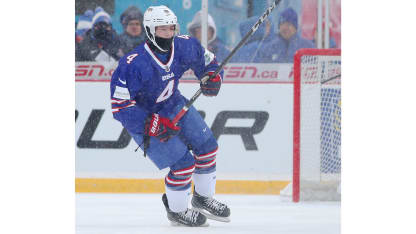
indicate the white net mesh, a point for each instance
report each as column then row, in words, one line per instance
column 330, row 130
column 320, row 127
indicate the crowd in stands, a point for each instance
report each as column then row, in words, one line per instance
column 96, row 40
column 101, row 42
column 283, row 46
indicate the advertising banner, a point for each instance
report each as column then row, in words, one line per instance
column 251, row 120
column 233, row 72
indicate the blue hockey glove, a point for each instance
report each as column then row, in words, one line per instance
column 161, row 127
column 212, row 86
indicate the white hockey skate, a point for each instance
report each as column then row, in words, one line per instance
column 211, row 208
column 189, row 217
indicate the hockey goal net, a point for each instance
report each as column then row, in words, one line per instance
column 317, row 125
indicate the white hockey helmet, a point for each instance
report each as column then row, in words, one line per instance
column 157, row 16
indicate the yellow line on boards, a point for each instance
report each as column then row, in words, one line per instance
column 100, row 185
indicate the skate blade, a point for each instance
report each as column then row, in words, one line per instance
column 176, row 224
column 213, row 217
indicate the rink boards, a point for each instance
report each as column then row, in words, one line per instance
column 251, row 118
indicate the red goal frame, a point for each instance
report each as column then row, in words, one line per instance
column 296, row 112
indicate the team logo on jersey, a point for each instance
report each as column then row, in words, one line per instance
column 123, row 82
column 168, row 76
column 183, row 36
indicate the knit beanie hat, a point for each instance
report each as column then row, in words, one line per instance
column 84, row 22
column 101, row 16
column 131, row 13
column 289, row 15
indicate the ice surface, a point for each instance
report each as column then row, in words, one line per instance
column 250, row 214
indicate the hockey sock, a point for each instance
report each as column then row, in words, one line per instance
column 205, row 184
column 178, row 200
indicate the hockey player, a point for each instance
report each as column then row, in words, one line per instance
column 145, row 98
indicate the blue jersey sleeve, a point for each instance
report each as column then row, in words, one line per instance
column 201, row 60
column 125, row 85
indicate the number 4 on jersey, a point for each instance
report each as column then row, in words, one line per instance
column 167, row 92
column 131, row 57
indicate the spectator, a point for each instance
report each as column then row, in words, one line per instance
column 133, row 35
column 332, row 43
column 83, row 25
column 254, row 50
column 288, row 41
column 101, row 43
column 215, row 45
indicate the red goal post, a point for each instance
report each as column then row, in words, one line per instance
column 317, row 125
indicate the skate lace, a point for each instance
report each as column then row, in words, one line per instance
column 214, row 204
column 189, row 215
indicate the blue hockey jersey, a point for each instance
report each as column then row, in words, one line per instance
column 142, row 84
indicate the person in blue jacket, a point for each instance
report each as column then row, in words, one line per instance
column 288, row 41
column 145, row 98
column 254, row 49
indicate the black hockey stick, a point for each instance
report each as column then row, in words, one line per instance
column 332, row 78
column 240, row 44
